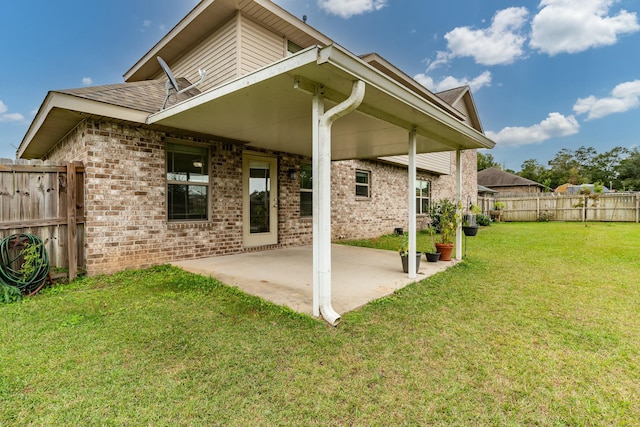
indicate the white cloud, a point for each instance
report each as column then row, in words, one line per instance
column 624, row 97
column 571, row 26
column 500, row 43
column 87, row 81
column 554, row 126
column 348, row 8
column 8, row 117
column 451, row 82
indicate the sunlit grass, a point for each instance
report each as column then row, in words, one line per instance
column 539, row 326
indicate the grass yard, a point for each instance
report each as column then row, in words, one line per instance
column 539, row 326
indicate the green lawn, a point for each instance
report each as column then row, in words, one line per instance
column 539, row 326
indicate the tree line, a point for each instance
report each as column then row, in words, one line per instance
column 617, row 169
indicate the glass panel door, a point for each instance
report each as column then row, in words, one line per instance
column 260, row 201
column 259, row 190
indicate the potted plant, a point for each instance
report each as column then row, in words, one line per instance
column 469, row 226
column 403, row 250
column 446, row 214
column 432, row 254
column 496, row 211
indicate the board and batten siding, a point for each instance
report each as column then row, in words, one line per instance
column 439, row 163
column 259, row 47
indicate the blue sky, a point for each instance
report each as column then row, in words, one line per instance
column 545, row 75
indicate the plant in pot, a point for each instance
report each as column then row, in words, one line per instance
column 403, row 250
column 496, row 211
column 446, row 214
column 469, row 226
column 432, row 254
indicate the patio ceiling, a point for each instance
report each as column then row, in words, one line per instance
column 271, row 109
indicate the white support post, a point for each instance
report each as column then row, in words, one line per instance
column 458, row 200
column 317, row 112
column 412, row 204
column 323, row 120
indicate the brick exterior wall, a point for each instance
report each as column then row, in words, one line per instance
column 125, row 198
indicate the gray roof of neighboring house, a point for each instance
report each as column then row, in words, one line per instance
column 144, row 96
column 483, row 189
column 494, row 177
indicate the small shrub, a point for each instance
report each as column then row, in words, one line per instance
column 483, row 220
column 545, row 216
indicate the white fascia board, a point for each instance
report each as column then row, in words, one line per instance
column 353, row 65
column 65, row 101
column 285, row 65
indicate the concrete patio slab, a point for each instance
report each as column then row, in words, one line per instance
column 284, row 276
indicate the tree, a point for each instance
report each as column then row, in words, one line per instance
column 604, row 167
column 486, row 161
column 534, row 171
column 629, row 171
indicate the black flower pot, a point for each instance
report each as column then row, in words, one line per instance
column 405, row 262
column 470, row 230
column 433, row 256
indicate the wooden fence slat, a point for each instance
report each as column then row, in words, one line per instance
column 72, row 226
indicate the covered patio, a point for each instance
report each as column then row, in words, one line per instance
column 285, row 276
column 327, row 104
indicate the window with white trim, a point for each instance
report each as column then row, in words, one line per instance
column 423, row 196
column 363, row 183
column 187, row 182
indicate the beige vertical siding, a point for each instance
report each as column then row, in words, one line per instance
column 259, row 46
column 217, row 54
column 462, row 107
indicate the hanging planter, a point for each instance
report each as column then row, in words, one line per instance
column 470, row 230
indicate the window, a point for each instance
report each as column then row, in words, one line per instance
column 306, row 190
column 423, row 196
column 187, row 182
column 363, row 179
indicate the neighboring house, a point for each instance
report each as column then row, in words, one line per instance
column 226, row 167
column 575, row 189
column 505, row 182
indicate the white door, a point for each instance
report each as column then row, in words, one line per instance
column 260, row 199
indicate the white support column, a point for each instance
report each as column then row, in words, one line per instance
column 412, row 204
column 458, row 200
column 321, row 165
column 317, row 112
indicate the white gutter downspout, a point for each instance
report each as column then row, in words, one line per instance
column 458, row 200
column 321, row 158
column 412, row 204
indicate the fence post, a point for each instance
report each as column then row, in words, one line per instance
column 72, row 226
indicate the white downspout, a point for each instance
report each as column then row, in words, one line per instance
column 412, row 204
column 458, row 200
column 322, row 196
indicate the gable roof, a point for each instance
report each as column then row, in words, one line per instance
column 459, row 95
column 394, row 102
column 494, row 177
column 207, row 16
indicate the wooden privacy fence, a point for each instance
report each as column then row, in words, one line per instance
column 622, row 207
column 46, row 201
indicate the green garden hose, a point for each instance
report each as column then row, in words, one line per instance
column 24, row 265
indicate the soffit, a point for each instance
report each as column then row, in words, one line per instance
column 265, row 110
